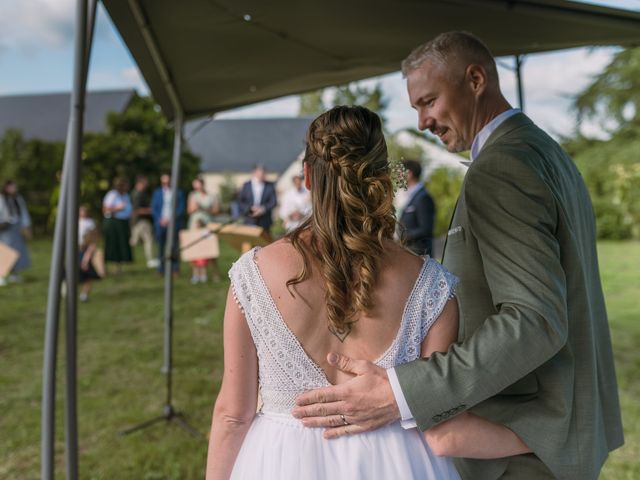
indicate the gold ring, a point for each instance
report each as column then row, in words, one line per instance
column 344, row 420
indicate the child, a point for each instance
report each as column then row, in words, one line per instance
column 87, row 238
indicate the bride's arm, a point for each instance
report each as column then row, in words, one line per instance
column 470, row 436
column 465, row 435
column 236, row 403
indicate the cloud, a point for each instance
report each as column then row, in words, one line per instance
column 281, row 107
column 107, row 78
column 34, row 25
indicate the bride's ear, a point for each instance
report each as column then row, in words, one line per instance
column 307, row 175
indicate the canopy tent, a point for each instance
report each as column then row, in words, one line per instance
column 204, row 56
column 220, row 54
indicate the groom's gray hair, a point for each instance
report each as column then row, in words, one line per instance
column 450, row 48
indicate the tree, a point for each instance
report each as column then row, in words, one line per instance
column 311, row 104
column 613, row 98
column 137, row 142
column 355, row 93
column 611, row 168
column 34, row 165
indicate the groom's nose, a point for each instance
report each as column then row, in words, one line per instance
column 426, row 122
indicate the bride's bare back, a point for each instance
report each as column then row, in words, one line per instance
column 305, row 313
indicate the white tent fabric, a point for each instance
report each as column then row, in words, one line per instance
column 220, row 54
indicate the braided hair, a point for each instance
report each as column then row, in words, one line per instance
column 353, row 213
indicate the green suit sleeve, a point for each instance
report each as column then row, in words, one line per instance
column 512, row 215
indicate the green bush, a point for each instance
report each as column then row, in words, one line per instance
column 137, row 141
column 444, row 184
column 34, row 165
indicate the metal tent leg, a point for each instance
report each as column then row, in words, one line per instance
column 65, row 240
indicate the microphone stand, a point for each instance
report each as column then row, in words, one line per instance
column 169, row 413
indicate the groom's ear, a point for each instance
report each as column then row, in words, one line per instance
column 476, row 77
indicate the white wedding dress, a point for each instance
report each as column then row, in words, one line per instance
column 277, row 446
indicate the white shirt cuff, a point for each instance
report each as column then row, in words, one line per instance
column 406, row 418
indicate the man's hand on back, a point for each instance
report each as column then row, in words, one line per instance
column 364, row 403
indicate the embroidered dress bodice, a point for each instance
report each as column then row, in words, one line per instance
column 284, row 368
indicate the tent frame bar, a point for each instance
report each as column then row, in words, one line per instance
column 170, row 255
column 154, row 51
column 66, row 240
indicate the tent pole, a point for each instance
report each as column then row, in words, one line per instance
column 169, row 259
column 51, row 330
column 83, row 50
column 519, row 59
column 171, row 251
column 85, row 25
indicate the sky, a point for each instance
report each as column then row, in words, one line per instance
column 36, row 56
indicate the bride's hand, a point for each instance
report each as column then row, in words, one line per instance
column 365, row 402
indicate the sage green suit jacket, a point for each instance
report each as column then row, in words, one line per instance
column 534, row 349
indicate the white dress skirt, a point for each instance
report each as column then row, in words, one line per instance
column 277, row 446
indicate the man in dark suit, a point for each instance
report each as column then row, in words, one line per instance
column 258, row 199
column 161, row 212
column 417, row 212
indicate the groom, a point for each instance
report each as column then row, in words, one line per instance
column 534, row 349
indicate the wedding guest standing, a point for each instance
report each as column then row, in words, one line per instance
column 416, row 212
column 142, row 221
column 258, row 199
column 296, row 204
column 15, row 228
column 117, row 210
column 202, row 206
column 161, row 211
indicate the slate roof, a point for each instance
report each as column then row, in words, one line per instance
column 234, row 145
column 230, row 145
column 45, row 116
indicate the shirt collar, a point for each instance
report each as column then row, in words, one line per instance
column 411, row 191
column 484, row 134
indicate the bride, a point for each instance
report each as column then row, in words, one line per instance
column 338, row 283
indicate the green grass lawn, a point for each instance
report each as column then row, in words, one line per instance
column 120, row 381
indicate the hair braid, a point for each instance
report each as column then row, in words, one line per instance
column 352, row 196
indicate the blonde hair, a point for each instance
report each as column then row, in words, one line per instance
column 353, row 214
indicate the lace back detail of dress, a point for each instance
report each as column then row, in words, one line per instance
column 284, row 368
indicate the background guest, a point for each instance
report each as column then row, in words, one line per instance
column 87, row 243
column 117, row 210
column 201, row 205
column 161, row 212
column 296, row 204
column 258, row 199
column 141, row 220
column 416, row 212
column 15, row 228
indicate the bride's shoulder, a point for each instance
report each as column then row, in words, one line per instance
column 280, row 255
column 400, row 255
